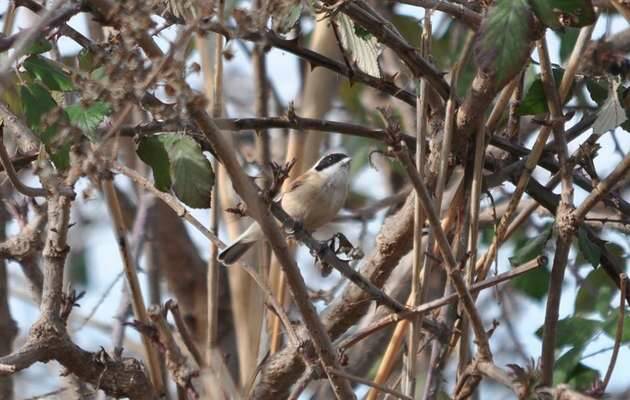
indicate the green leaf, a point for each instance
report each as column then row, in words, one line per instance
column 562, row 13
column 610, row 115
column 589, row 250
column 39, row 46
column 567, row 42
column 179, row 164
column 533, row 284
column 409, row 27
column 78, row 270
column 610, row 326
column 49, row 73
column 582, row 377
column 151, row 150
column 597, row 91
column 362, row 48
column 566, row 364
column 595, row 293
column 532, row 248
column 192, row 173
column 535, row 101
column 37, row 102
column 88, row 119
column 503, row 41
column 574, row 331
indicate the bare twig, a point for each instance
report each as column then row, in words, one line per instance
column 433, row 304
column 602, row 188
column 618, row 332
column 176, row 362
column 457, row 11
column 173, row 307
column 368, row 382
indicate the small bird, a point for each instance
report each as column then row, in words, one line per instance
column 313, row 199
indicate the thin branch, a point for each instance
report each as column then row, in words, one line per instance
column 173, row 307
column 12, row 175
column 618, row 332
column 268, row 37
column 327, row 255
column 498, row 375
column 368, row 382
column 56, row 14
column 176, row 363
column 27, row 141
column 361, row 13
column 602, row 188
column 437, row 303
column 458, row 11
column 564, row 226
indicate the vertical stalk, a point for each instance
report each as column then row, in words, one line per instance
column 212, row 278
column 409, row 372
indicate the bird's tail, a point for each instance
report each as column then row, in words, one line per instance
column 233, row 252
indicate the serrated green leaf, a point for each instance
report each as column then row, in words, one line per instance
column 151, row 150
column 88, row 119
column 589, row 250
column 532, row 248
column 535, row 101
column 36, row 102
column 610, row 115
column 562, row 13
column 38, row 46
column 192, row 173
column 362, row 48
column 46, row 71
column 574, row 331
column 503, row 39
column 595, row 293
column 178, row 163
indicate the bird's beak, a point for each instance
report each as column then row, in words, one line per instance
column 346, row 161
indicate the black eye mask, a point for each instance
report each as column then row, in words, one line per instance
column 329, row 160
